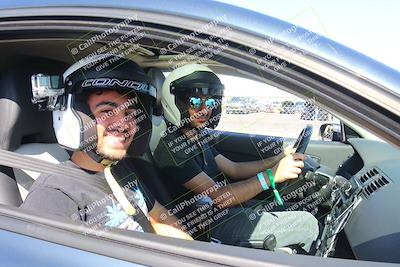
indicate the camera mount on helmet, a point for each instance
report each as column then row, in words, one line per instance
column 45, row 90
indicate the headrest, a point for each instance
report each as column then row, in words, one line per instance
column 21, row 122
column 158, row 79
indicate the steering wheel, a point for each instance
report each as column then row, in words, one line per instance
column 300, row 145
column 304, row 139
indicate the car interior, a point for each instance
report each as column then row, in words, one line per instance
column 371, row 232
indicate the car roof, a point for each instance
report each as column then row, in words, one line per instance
column 244, row 20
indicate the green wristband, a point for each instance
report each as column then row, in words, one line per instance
column 278, row 197
column 273, row 186
column 271, row 178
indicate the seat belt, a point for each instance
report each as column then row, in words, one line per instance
column 18, row 161
column 131, row 209
column 26, row 163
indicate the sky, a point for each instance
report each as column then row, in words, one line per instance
column 368, row 26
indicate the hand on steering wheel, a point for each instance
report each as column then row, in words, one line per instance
column 290, row 166
column 304, row 139
column 295, row 164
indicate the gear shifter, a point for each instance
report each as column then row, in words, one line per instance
column 345, row 198
column 342, row 184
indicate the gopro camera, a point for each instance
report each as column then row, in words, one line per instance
column 46, row 89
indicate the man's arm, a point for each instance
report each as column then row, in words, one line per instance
column 233, row 194
column 51, row 201
column 162, row 222
column 165, row 224
column 244, row 170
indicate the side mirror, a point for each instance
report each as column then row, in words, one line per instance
column 330, row 132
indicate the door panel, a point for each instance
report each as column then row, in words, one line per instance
column 332, row 154
column 246, row 147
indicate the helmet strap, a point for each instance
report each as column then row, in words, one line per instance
column 99, row 159
column 106, row 162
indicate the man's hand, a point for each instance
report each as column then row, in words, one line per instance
column 163, row 226
column 289, row 150
column 167, row 230
column 285, row 152
column 288, row 168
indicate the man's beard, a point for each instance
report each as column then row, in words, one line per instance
column 106, row 151
column 111, row 155
column 198, row 125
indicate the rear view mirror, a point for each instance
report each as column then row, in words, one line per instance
column 330, row 132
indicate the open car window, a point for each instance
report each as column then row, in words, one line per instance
column 271, row 95
column 266, row 110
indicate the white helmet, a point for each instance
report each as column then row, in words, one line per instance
column 192, row 78
column 75, row 126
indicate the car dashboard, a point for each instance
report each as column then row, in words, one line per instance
column 365, row 197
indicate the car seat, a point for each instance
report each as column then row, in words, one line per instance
column 23, row 128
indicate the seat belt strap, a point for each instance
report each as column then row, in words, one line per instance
column 118, row 193
column 135, row 212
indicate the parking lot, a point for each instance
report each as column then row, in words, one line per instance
column 275, row 124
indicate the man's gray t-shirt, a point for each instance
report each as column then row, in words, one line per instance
column 89, row 199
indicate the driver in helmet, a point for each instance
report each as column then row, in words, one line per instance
column 191, row 100
column 104, row 120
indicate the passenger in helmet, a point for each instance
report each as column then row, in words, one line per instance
column 103, row 117
column 191, row 100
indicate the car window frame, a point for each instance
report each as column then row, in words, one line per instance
column 6, row 210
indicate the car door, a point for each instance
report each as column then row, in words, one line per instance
column 36, row 27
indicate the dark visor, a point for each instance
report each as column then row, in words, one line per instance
column 210, row 91
column 199, row 82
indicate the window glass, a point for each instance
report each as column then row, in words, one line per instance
column 257, row 108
